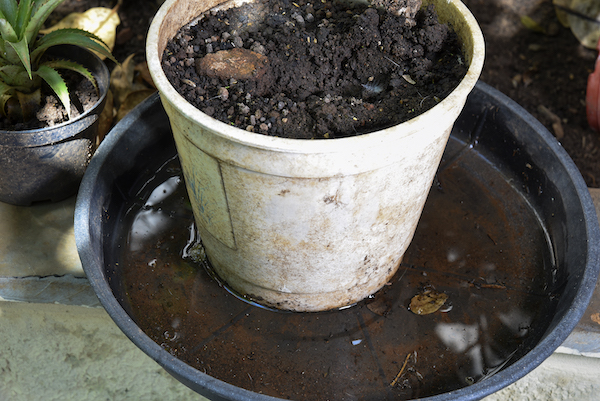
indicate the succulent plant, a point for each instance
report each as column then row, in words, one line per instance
column 23, row 65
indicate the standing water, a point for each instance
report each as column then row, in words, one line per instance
column 471, row 296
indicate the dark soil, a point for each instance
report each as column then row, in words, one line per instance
column 321, row 70
column 51, row 111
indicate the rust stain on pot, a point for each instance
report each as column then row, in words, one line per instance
column 238, row 63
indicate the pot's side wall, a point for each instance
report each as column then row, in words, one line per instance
column 307, row 225
column 308, row 243
column 315, row 244
column 453, row 13
column 49, row 163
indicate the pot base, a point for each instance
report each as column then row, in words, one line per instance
column 287, row 301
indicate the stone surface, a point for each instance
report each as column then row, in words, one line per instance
column 560, row 378
column 38, row 240
column 59, row 352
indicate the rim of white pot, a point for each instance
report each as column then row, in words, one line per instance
column 444, row 110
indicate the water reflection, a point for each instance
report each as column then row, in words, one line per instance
column 163, row 191
column 458, row 337
column 151, row 220
column 517, row 320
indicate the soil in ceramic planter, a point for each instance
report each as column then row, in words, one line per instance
column 314, row 69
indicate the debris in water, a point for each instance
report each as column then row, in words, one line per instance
column 393, row 383
column 380, row 306
column 427, row 302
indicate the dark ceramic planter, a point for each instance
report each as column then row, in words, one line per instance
column 492, row 128
column 49, row 163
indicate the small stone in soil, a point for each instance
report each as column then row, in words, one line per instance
column 236, row 63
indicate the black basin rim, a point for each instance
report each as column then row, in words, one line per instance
column 218, row 390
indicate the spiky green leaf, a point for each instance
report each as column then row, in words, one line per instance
column 17, row 77
column 28, row 103
column 72, row 66
column 10, row 55
column 40, row 12
column 22, row 50
column 23, row 16
column 9, row 72
column 6, row 30
column 57, row 84
column 72, row 36
column 9, row 9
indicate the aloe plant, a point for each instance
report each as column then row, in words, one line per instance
column 23, row 65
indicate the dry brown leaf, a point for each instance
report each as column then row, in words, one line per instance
column 132, row 100
column 100, row 21
column 532, row 25
column 106, row 117
column 585, row 29
column 142, row 68
column 428, row 302
column 560, row 14
column 122, row 80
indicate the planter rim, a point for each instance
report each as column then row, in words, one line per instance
column 336, row 145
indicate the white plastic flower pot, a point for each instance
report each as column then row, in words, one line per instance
column 308, row 225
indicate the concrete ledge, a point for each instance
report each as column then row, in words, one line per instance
column 71, row 353
column 559, row 378
column 38, row 240
column 65, row 290
column 585, row 339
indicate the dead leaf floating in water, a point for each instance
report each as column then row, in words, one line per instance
column 428, row 302
column 380, row 306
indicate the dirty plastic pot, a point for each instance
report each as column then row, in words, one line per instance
column 491, row 125
column 49, row 163
column 305, row 225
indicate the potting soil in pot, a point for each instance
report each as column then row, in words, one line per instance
column 323, row 69
column 51, row 111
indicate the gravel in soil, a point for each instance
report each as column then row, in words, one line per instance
column 314, row 70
